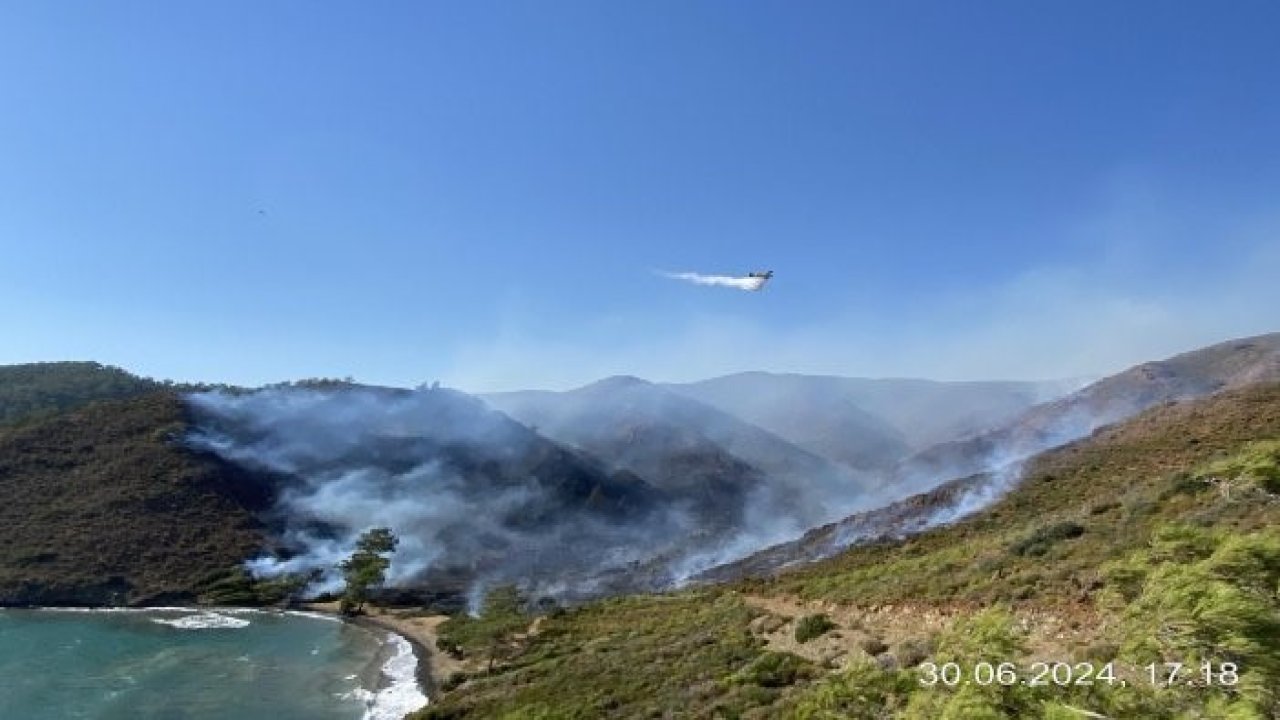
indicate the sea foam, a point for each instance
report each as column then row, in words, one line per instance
column 401, row 695
column 203, row 621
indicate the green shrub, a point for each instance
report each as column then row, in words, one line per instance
column 813, row 626
column 990, row 636
column 488, row 635
column 863, row 692
column 1184, row 483
column 1258, row 462
column 873, row 646
column 1039, row 542
column 1209, row 596
column 775, row 670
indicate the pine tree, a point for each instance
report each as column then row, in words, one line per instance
column 366, row 568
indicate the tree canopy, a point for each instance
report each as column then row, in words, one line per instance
column 366, row 568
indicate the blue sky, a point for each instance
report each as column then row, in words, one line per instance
column 484, row 192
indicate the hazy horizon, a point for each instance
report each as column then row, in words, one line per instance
column 488, row 196
column 1065, row 381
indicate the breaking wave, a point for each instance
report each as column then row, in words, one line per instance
column 400, row 694
column 204, row 621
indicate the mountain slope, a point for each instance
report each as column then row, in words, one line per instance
column 164, row 498
column 685, row 447
column 983, row 468
column 475, row 497
column 102, row 506
column 866, row 423
column 1116, row 485
column 1081, row 554
column 1189, row 375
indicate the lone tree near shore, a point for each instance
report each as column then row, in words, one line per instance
column 366, row 568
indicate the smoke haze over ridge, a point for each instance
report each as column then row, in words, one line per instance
column 656, row 489
column 472, row 495
column 478, row 499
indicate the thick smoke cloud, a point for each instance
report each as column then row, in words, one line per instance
column 475, row 498
column 478, row 499
column 656, row 488
column 462, row 487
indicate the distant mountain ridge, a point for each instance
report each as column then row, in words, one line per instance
column 680, row 445
column 806, row 414
column 862, row 422
column 1155, row 537
column 622, row 477
column 955, row 478
column 1188, row 375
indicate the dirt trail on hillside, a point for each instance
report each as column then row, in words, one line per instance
column 889, row 632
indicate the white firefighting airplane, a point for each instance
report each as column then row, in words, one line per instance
column 756, row 280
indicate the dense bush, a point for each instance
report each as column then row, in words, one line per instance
column 1199, row 595
column 1039, row 542
column 813, row 626
column 1257, row 463
column 775, row 669
column 873, row 646
column 863, row 692
column 665, row 656
column 912, row 652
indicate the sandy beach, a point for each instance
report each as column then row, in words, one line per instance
column 434, row 667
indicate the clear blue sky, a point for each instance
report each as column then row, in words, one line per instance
column 482, row 192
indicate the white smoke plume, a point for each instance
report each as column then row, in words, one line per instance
column 995, row 469
column 474, row 497
column 460, row 486
column 658, row 490
column 953, row 480
column 734, row 281
column 478, row 500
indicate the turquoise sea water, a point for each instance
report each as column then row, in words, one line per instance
column 189, row 665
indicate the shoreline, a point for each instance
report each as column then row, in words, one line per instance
column 430, row 669
column 422, row 671
column 433, row 667
column 420, row 637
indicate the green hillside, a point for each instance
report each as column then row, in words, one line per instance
column 1157, row 540
column 1078, row 507
column 39, row 390
column 102, row 506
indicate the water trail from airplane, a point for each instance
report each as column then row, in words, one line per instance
column 741, row 283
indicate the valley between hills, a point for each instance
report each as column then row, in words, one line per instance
column 753, row 546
